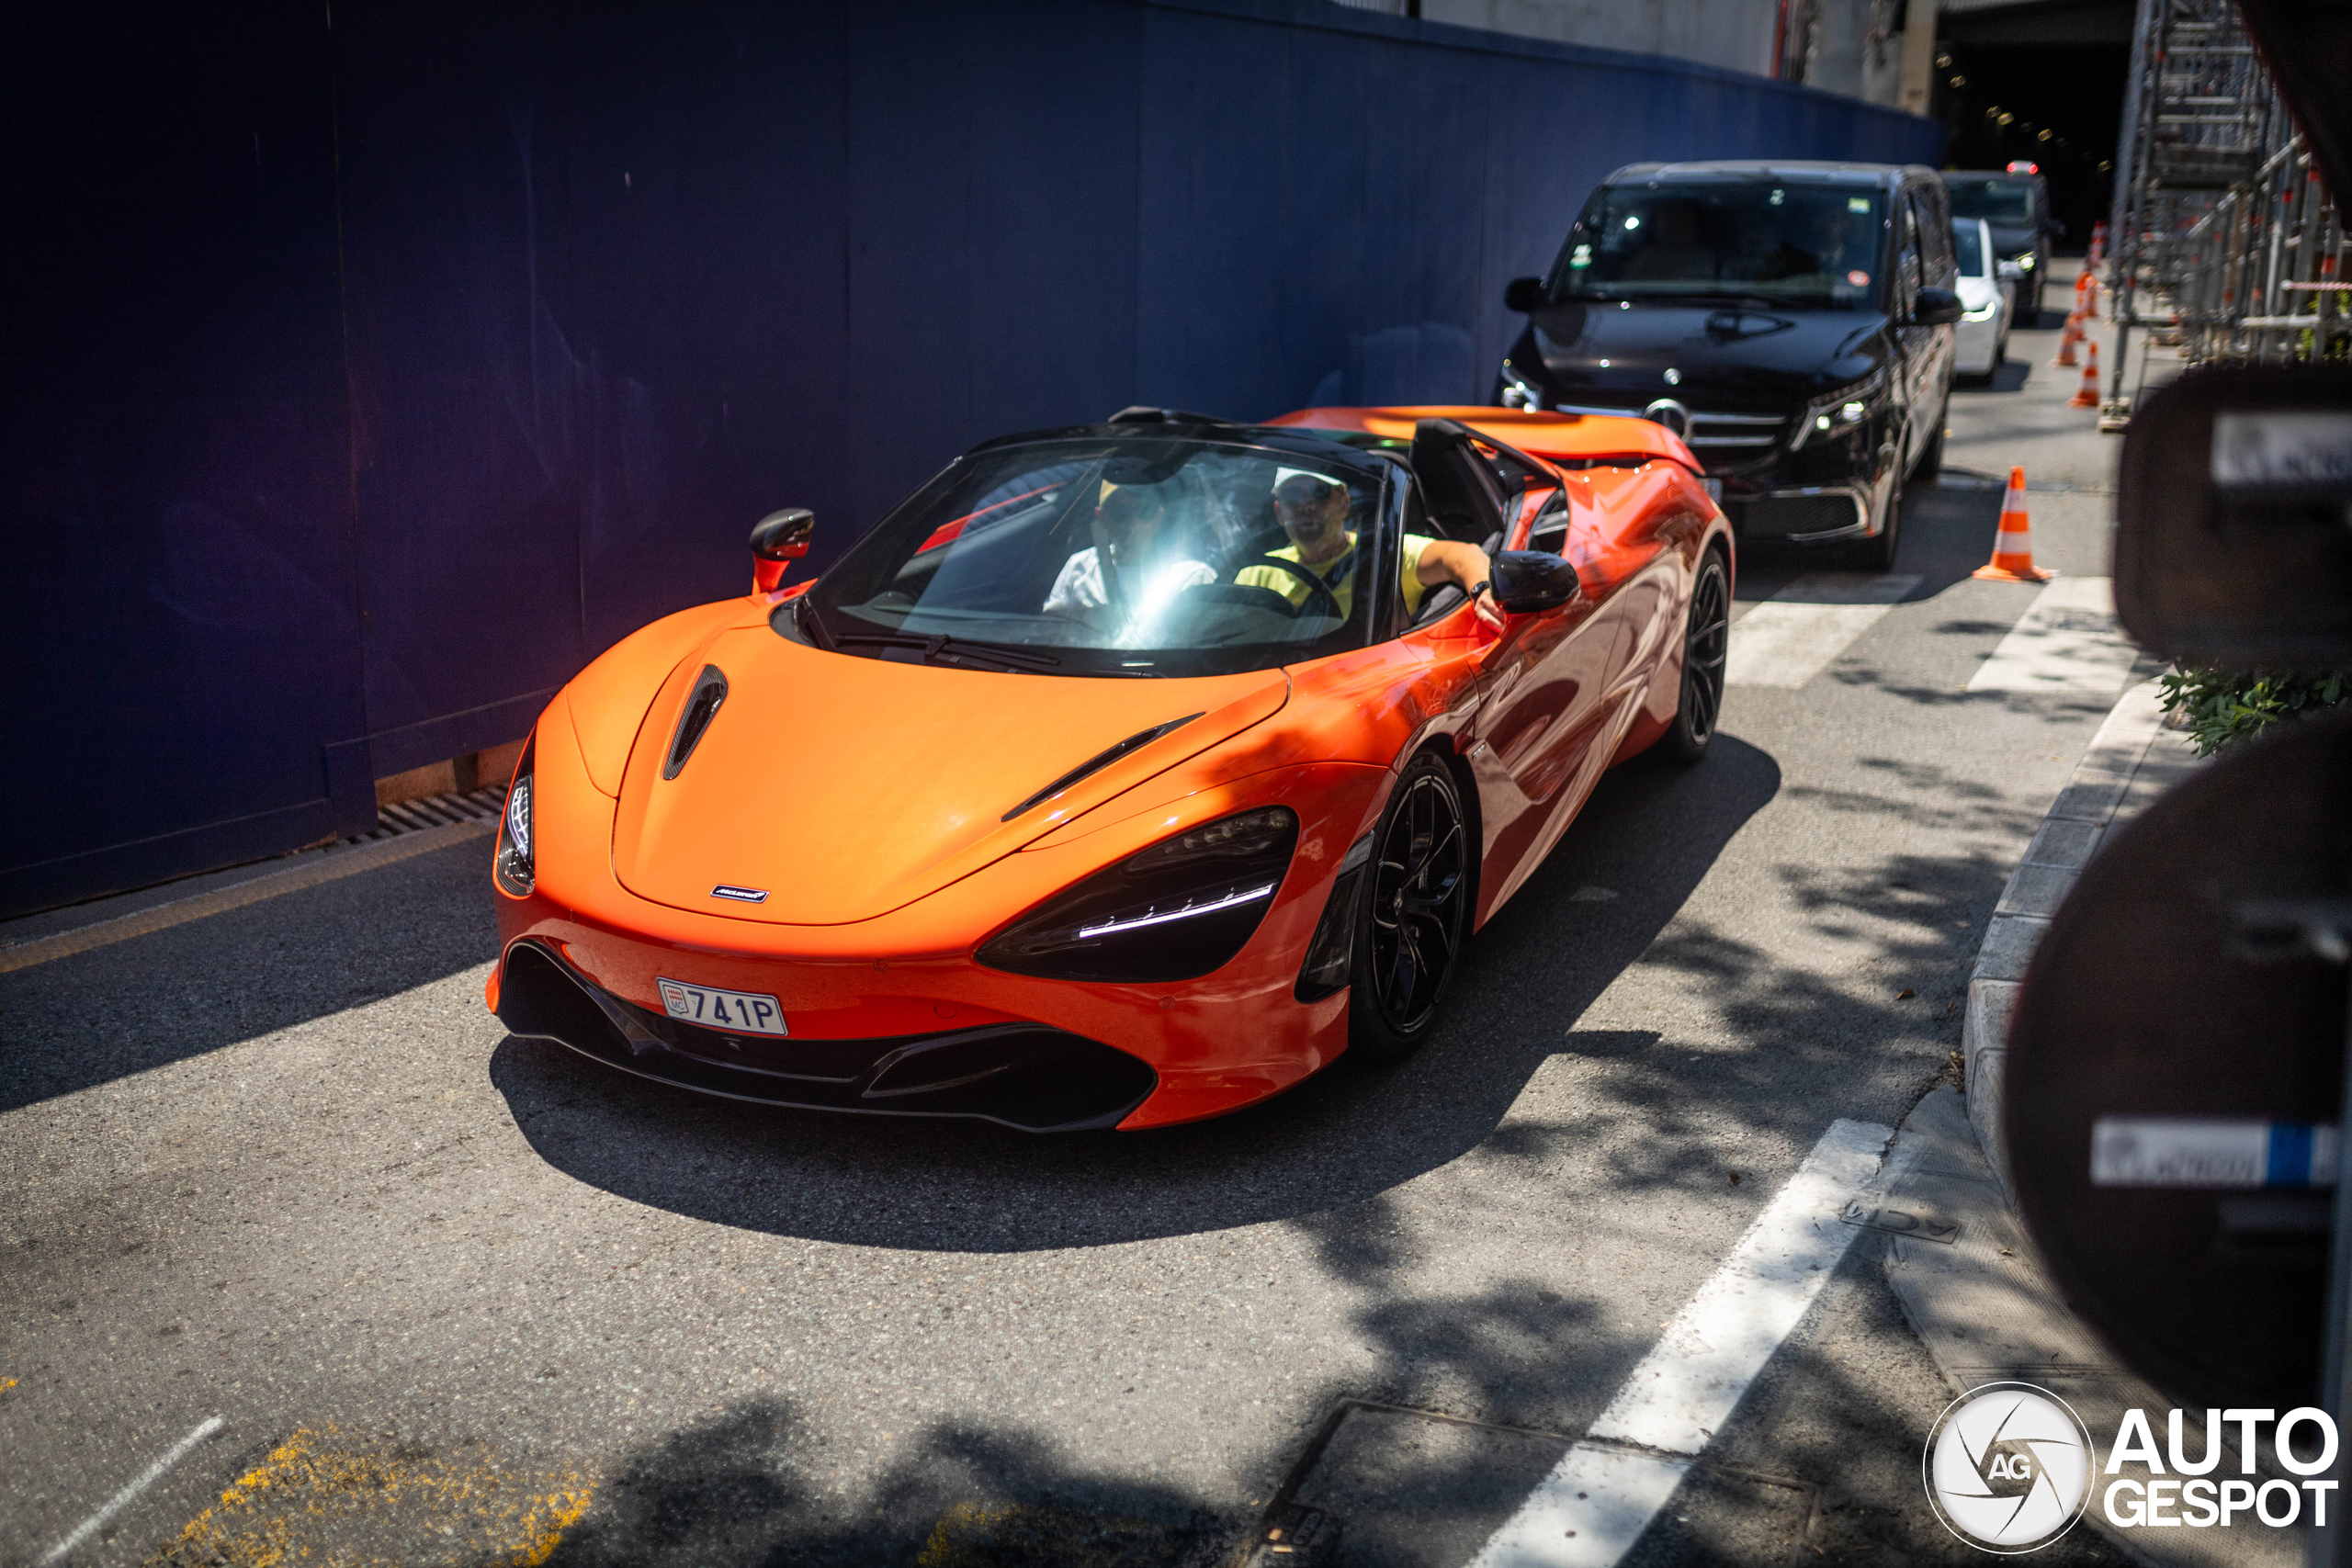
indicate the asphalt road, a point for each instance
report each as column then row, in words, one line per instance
column 456, row 1298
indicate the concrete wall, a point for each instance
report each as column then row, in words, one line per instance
column 1735, row 34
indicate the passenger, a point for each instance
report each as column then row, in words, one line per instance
column 1313, row 513
column 1126, row 578
column 1828, row 249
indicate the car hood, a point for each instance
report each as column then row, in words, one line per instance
column 844, row 787
column 1730, row 357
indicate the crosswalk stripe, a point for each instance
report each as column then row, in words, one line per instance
column 1601, row 1496
column 1791, row 637
column 2067, row 641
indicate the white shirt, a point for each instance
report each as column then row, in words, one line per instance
column 1080, row 588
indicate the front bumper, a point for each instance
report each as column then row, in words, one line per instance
column 1213, row 1043
column 1832, row 487
column 1024, row 1075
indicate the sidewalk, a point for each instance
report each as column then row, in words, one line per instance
column 1961, row 1263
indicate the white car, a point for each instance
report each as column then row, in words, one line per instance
column 1987, row 301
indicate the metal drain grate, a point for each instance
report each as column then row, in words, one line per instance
column 483, row 805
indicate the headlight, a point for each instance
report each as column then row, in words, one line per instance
column 1982, row 312
column 1518, row 392
column 1175, row 911
column 2025, row 261
column 1838, row 413
column 511, row 865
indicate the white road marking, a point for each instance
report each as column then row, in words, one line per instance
column 1605, row 1491
column 1791, row 637
column 129, row 1495
column 2067, row 641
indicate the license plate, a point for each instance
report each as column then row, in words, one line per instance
column 745, row 1012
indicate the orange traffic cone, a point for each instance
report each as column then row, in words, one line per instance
column 2013, row 545
column 2066, row 342
column 2087, row 395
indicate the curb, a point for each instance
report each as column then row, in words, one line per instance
column 1959, row 1260
column 2109, row 776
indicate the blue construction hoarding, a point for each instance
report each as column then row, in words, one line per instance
column 375, row 367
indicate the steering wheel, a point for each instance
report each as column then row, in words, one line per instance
column 1314, row 585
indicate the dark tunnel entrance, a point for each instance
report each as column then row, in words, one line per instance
column 2040, row 81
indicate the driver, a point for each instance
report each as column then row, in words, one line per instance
column 1313, row 513
column 1129, row 574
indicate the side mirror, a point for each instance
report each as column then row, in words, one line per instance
column 1935, row 308
column 1524, row 295
column 1527, row 582
column 2012, row 273
column 778, row 538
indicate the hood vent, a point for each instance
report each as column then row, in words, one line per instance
column 702, row 706
column 1095, row 764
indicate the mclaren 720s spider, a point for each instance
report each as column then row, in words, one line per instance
column 1123, row 775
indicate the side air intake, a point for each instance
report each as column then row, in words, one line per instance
column 1099, row 762
column 702, row 706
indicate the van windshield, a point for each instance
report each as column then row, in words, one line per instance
column 2008, row 203
column 1787, row 244
column 1968, row 240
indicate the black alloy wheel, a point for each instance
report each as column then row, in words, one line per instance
column 1416, row 914
column 1706, row 645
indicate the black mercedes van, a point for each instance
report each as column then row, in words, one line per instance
column 1792, row 321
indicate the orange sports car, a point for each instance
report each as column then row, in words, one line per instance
column 1121, row 776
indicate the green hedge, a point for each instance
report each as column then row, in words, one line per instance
column 2222, row 708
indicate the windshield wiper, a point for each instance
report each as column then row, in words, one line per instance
column 954, row 650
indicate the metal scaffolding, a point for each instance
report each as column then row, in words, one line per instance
column 2225, row 242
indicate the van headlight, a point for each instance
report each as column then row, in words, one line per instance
column 1825, row 418
column 511, row 865
column 1174, row 911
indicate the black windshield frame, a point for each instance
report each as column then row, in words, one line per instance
column 883, row 550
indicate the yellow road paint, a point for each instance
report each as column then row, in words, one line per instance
column 971, row 1536
column 329, row 867
column 324, row 1503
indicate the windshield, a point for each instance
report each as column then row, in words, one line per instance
column 1968, row 240
column 2008, row 203
column 1794, row 245
column 1116, row 556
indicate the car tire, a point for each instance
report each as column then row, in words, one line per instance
column 1413, row 914
column 1931, row 456
column 1877, row 553
column 1706, row 642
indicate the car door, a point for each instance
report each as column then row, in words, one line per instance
column 1560, row 684
column 1914, row 343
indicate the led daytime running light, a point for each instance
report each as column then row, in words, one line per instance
column 518, row 818
column 1186, row 913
